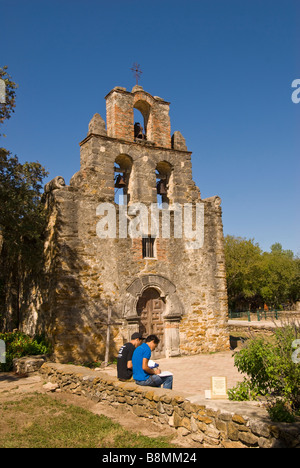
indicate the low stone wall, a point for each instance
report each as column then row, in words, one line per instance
column 209, row 427
column 28, row 364
column 265, row 327
column 250, row 329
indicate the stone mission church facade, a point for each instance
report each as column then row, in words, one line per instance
column 151, row 284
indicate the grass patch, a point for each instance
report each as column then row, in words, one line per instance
column 39, row 421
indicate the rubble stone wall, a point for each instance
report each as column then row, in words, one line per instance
column 204, row 424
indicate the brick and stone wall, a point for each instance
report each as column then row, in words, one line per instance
column 120, row 118
column 208, row 425
column 85, row 275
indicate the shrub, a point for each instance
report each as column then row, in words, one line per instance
column 279, row 411
column 242, row 392
column 270, row 372
column 18, row 344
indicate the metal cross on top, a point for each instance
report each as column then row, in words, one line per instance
column 136, row 69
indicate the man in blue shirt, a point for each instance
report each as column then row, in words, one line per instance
column 142, row 373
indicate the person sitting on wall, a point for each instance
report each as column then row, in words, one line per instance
column 124, row 361
column 142, row 373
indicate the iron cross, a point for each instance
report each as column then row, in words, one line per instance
column 136, row 69
column 108, row 324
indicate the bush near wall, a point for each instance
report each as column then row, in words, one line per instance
column 18, row 344
column 271, row 373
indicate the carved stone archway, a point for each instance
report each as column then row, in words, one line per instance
column 172, row 313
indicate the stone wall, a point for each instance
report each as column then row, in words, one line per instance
column 207, row 425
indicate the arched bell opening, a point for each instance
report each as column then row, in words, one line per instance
column 122, row 182
column 141, row 112
column 163, row 174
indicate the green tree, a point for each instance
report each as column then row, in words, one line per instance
column 22, row 222
column 257, row 277
column 281, row 276
column 7, row 108
column 295, row 284
column 243, row 270
column 22, row 216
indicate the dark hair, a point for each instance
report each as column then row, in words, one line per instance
column 152, row 338
column 136, row 336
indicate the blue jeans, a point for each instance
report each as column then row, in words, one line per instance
column 156, row 381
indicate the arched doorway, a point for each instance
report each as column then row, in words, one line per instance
column 161, row 316
column 150, row 308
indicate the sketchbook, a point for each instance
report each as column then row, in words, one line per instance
column 154, row 364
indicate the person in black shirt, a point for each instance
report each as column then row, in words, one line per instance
column 124, row 361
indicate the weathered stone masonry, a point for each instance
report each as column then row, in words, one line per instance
column 177, row 293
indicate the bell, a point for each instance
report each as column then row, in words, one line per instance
column 138, row 131
column 161, row 188
column 120, row 182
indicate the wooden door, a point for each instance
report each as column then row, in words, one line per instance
column 150, row 309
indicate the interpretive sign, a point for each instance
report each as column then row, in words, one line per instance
column 218, row 388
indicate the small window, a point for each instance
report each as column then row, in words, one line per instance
column 148, row 247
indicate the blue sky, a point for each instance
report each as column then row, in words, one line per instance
column 226, row 66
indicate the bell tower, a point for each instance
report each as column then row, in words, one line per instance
column 153, row 282
column 149, row 161
column 155, row 111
